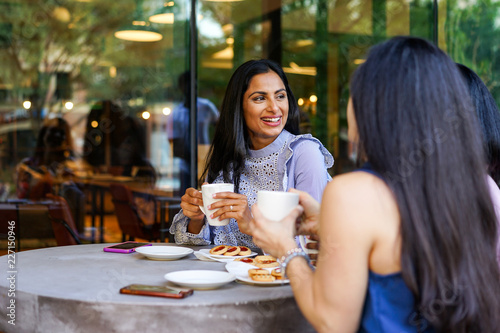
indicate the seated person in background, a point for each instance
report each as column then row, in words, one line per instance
column 408, row 241
column 256, row 146
column 52, row 161
column 132, row 162
column 131, row 152
column 489, row 121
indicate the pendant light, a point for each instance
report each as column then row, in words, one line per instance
column 139, row 30
column 164, row 15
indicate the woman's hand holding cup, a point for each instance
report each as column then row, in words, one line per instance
column 190, row 204
column 308, row 226
column 225, row 205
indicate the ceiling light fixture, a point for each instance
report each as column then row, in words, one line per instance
column 139, row 30
column 164, row 15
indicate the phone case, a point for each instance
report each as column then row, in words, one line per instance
column 125, row 250
column 158, row 291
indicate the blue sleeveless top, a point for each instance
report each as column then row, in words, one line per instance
column 389, row 304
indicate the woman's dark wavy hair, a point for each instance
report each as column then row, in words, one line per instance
column 40, row 148
column 231, row 141
column 489, row 118
column 418, row 129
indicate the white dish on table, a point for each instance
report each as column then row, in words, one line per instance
column 164, row 252
column 200, row 279
column 207, row 253
column 240, row 270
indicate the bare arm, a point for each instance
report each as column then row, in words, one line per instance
column 332, row 297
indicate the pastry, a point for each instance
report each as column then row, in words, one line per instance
column 263, row 277
column 244, row 251
column 219, row 249
column 265, row 262
column 232, row 251
column 245, row 260
column 257, row 271
column 277, row 273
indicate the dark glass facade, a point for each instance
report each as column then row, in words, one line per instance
column 67, row 58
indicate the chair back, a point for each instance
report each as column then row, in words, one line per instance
column 129, row 221
column 64, row 226
column 34, row 221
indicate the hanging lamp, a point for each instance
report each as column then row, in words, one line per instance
column 164, row 15
column 139, row 30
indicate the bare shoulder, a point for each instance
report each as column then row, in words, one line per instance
column 360, row 186
column 362, row 197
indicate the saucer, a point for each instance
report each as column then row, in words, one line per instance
column 164, row 252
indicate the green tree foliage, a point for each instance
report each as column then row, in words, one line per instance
column 472, row 34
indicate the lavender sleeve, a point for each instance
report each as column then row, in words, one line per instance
column 308, row 166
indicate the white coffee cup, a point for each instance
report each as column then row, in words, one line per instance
column 275, row 205
column 207, row 192
column 304, row 240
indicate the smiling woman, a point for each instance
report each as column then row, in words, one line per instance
column 256, row 146
column 265, row 109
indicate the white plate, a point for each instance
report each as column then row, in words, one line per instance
column 199, row 279
column 240, row 270
column 219, row 256
column 164, row 252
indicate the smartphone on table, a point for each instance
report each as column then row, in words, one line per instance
column 160, row 291
column 125, row 247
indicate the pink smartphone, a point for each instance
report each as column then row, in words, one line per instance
column 126, row 247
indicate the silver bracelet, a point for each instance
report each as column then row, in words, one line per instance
column 290, row 254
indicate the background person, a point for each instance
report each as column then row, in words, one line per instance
column 52, row 160
column 178, row 127
column 256, row 146
column 489, row 121
column 399, row 251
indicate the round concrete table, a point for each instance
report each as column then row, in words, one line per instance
column 76, row 289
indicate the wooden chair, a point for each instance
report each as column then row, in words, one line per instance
column 129, row 220
column 64, row 226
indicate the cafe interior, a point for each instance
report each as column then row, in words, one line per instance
column 88, row 90
column 115, row 72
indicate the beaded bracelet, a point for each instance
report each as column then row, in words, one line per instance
column 290, row 254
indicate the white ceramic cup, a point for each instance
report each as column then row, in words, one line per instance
column 305, row 240
column 207, row 191
column 275, row 205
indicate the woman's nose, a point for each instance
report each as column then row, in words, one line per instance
column 272, row 105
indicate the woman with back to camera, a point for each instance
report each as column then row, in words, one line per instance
column 256, row 146
column 401, row 246
column 489, row 121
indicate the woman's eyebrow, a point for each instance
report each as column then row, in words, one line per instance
column 265, row 93
column 257, row 92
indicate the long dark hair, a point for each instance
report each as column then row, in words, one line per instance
column 231, row 142
column 489, row 118
column 418, row 129
column 60, row 127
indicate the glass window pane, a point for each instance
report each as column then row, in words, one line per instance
column 468, row 32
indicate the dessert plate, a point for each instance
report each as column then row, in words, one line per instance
column 200, row 279
column 207, row 253
column 240, row 271
column 164, row 252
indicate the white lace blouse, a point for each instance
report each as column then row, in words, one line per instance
column 291, row 161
